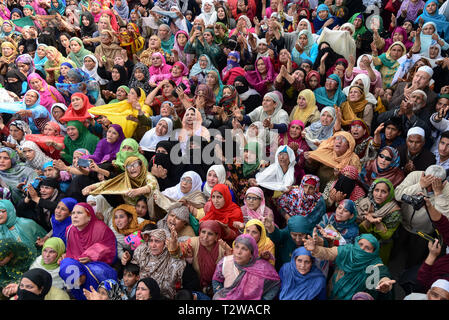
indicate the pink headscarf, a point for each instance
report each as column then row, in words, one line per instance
column 184, row 57
column 388, row 42
column 259, row 213
column 164, row 68
column 96, row 241
column 49, row 94
column 255, row 78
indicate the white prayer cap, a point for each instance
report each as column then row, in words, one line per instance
column 441, row 283
column 416, row 130
column 426, row 69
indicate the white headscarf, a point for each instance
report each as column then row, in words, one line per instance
column 437, row 58
column 208, row 18
column 93, row 73
column 150, row 139
column 39, row 157
column 316, row 132
column 220, row 171
column 366, row 85
column 273, row 177
column 175, row 192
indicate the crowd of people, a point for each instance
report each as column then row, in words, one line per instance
column 224, row 150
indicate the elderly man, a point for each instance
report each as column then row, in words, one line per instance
column 430, row 184
column 420, row 81
column 438, row 291
column 414, row 156
column 411, row 112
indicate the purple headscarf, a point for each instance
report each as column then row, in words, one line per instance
column 105, row 151
column 388, row 42
column 255, row 78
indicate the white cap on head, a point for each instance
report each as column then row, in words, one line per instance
column 426, row 69
column 441, row 283
column 416, row 130
column 420, row 92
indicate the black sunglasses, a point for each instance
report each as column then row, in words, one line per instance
column 385, row 157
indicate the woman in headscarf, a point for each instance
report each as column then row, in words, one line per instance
column 263, row 77
column 60, row 220
column 154, row 45
column 215, row 174
column 365, row 148
column 53, row 64
column 9, row 30
column 87, row 25
column 117, row 77
column 305, row 48
column 57, row 111
column 128, row 148
column 331, row 94
column 91, row 248
column 256, row 229
column 20, row 230
column 16, row 259
column 15, row 82
column 365, row 66
column 77, row 52
column 324, row 18
column 158, row 65
column 305, row 200
column 250, row 98
column 148, row 289
column 398, row 34
column 254, row 205
column 18, row 129
column 49, row 95
column 387, row 63
column 168, row 40
column 205, row 43
column 356, row 107
column 189, row 183
column 78, row 136
column 181, row 39
column 178, row 74
column 122, row 8
column 201, row 69
column 157, row 263
column 9, row 55
column 52, row 250
column 362, row 80
column 380, row 215
column 108, row 50
column 305, row 109
column 409, row 9
column 14, row 172
column 90, row 66
column 431, row 14
column 25, row 64
column 312, row 80
column 78, row 109
column 108, row 147
column 258, row 279
column 340, row 227
column 208, row 13
column 301, row 279
column 192, row 126
column 386, row 165
column 34, row 156
column 117, row 112
column 131, row 40
column 140, row 77
column 151, row 138
column 334, row 153
column 213, row 81
column 351, row 262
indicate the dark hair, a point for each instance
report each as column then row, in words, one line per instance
column 142, row 198
column 137, row 90
column 184, row 294
column 149, row 227
column 445, row 134
column 132, row 268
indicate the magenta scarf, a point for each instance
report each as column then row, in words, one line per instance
column 96, row 241
column 407, row 43
column 259, row 213
column 255, row 78
column 164, row 68
column 49, row 94
column 186, row 58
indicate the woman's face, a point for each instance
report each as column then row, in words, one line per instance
column 431, row 8
column 139, row 75
column 342, row 214
column 49, row 130
column 303, row 264
column 3, row 216
column 156, row 246
column 210, row 80
column 41, row 52
column 261, row 67
column 75, row 46
column 221, row 13
column 218, row 200
column 115, row 75
column 73, row 132
column 132, row 95
column 95, row 8
column 268, row 105
column 80, row 217
column 112, row 135
column 141, row 208
column 407, row 26
column 182, row 39
column 28, row 285
column 303, row 40
column 15, row 16
column 16, row 133
column 190, row 116
column 380, row 193
column 85, row 21
column 227, row 92
column 323, row 14
column 203, row 62
column 173, row 220
column 207, row 237
column 253, row 201
column 105, row 38
column 302, row 102
column 50, row 55
column 397, row 36
column 208, row 37
column 212, row 179
column 49, row 255
column 154, row 42
column 331, row 84
column 121, row 219
column 384, row 159
column 29, row 153
column 303, row 25
column 242, row 254
column 30, row 97
column 57, row 113
column 295, row 131
column 77, row 102
column 396, row 52
column 176, row 71
column 156, row 60
column 36, row 84
column 341, row 145
column 283, row 159
column 366, row 246
column 357, row 131
column 134, row 168
column 326, row 119
column 64, row 41
column 121, row 94
column 64, row 70
column 354, row 95
column 186, row 184
column 142, row 292
column 89, row 63
column 313, row 82
column 161, row 128
column 253, row 232
column 433, row 52
column 7, row 27
column 61, row 212
column 23, row 67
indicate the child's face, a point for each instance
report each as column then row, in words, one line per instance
column 130, row 279
column 103, row 294
column 341, row 214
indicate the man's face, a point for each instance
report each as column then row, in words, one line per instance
column 418, row 101
column 415, row 143
column 421, row 79
column 443, row 148
column 391, row 132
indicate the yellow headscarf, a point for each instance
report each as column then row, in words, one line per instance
column 12, row 57
column 133, row 225
column 264, row 244
column 303, row 114
column 117, row 113
column 353, row 110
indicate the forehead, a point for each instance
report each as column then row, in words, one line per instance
column 415, row 138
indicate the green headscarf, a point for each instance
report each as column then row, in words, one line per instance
column 78, row 58
column 123, row 155
column 390, row 195
column 56, row 244
column 20, row 263
column 85, row 140
column 353, row 261
column 300, row 224
column 360, row 31
column 249, row 168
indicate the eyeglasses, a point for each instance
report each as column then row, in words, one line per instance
column 133, row 165
column 186, row 180
column 385, row 157
column 248, row 198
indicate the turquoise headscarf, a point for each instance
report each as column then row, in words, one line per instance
column 299, row 224
column 61, row 7
column 338, row 98
column 353, row 261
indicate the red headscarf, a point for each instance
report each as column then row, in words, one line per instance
column 41, row 139
column 96, row 241
column 310, row 74
column 71, row 114
column 207, row 260
column 230, row 211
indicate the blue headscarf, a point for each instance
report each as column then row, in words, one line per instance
column 299, row 224
column 338, row 98
column 440, row 20
column 318, row 22
column 95, row 272
column 296, row 286
column 61, row 7
column 196, row 69
column 59, row 227
column 353, row 261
